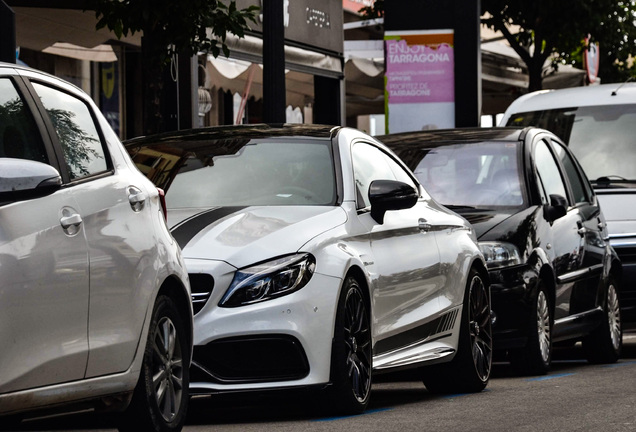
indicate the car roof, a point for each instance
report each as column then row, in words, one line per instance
column 435, row 138
column 603, row 94
column 238, row 132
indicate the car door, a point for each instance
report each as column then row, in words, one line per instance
column 591, row 229
column 405, row 255
column 44, row 267
column 564, row 243
column 114, row 217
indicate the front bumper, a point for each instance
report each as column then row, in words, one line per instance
column 626, row 251
column 510, row 291
column 280, row 343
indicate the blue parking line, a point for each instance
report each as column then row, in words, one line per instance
column 543, row 378
column 615, row 365
column 373, row 411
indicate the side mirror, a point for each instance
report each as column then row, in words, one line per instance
column 387, row 195
column 22, row 179
column 558, row 208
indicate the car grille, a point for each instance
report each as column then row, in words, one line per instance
column 201, row 285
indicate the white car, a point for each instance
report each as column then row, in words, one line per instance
column 316, row 259
column 95, row 307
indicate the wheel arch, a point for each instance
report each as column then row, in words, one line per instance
column 173, row 288
column 356, row 272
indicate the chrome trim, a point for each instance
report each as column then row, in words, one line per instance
column 569, row 277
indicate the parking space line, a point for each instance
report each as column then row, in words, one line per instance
column 615, row 365
column 373, row 411
column 543, row 378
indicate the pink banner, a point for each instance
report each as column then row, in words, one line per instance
column 419, row 73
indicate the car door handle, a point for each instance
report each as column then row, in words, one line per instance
column 423, row 225
column 72, row 220
column 136, row 198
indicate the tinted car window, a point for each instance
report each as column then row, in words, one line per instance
column 73, row 123
column 19, row 137
column 482, row 174
column 548, row 171
column 369, row 164
column 577, row 185
column 601, row 137
column 262, row 172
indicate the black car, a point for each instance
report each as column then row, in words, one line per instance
column 554, row 274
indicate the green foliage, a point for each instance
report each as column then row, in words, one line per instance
column 540, row 28
column 185, row 26
column 374, row 11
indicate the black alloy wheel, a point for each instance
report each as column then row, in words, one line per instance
column 470, row 369
column 351, row 362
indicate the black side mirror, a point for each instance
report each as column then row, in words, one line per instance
column 22, row 179
column 386, row 195
column 558, row 208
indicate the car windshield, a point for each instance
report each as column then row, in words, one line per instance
column 274, row 172
column 481, row 175
column 601, row 137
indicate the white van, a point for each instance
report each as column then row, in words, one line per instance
column 599, row 125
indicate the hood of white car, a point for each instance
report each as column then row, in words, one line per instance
column 243, row 236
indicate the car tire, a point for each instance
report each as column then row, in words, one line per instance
column 536, row 356
column 160, row 399
column 351, row 358
column 605, row 343
column 469, row 371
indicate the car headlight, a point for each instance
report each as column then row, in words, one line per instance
column 500, row 254
column 269, row 280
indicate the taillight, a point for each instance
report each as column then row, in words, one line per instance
column 162, row 200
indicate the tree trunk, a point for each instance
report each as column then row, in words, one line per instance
column 535, row 80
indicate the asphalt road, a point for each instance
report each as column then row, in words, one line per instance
column 575, row 396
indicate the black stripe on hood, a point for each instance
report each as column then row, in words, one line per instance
column 184, row 232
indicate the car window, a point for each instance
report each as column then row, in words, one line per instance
column 484, row 174
column 371, row 163
column 19, row 136
column 274, row 172
column 579, row 191
column 601, row 137
column 548, row 173
column 76, row 131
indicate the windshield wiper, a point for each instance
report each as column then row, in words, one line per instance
column 460, row 207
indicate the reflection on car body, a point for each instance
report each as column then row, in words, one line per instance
column 541, row 229
column 316, row 260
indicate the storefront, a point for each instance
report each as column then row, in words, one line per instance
column 314, row 69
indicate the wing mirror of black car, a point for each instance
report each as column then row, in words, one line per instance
column 22, row 179
column 558, row 208
column 386, row 195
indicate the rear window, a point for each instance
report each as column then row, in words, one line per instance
column 603, row 138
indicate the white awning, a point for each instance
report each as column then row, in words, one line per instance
column 100, row 53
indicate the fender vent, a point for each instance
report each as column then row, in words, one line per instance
column 201, row 285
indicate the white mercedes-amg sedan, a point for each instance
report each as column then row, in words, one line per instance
column 316, row 260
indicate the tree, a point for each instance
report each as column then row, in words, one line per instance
column 545, row 29
column 539, row 30
column 169, row 27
